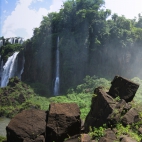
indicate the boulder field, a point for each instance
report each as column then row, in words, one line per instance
column 62, row 122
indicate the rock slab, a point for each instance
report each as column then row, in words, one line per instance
column 108, row 137
column 27, row 126
column 130, row 117
column 63, row 121
column 102, row 106
column 123, row 88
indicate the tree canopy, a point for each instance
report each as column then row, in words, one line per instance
column 92, row 41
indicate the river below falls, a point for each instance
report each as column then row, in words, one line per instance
column 3, row 123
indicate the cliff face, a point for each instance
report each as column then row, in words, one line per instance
column 40, row 59
column 76, row 61
column 38, row 65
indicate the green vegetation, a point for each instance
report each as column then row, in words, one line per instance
column 97, row 133
column 138, row 97
column 129, row 130
column 13, row 98
column 83, row 101
column 2, row 138
column 39, row 88
column 90, row 83
column 8, row 49
column 18, row 96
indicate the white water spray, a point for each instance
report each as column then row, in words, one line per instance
column 57, row 79
column 19, row 72
column 1, row 67
column 9, row 69
column 1, row 43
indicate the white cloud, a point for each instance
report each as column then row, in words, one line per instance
column 38, row 0
column 128, row 8
column 56, row 5
column 25, row 18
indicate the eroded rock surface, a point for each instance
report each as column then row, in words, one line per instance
column 102, row 106
column 63, row 121
column 27, row 126
column 109, row 136
column 123, row 88
column 85, row 138
column 130, row 117
column 127, row 139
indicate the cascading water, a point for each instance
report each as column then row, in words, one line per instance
column 20, row 41
column 12, row 67
column 20, row 68
column 1, row 43
column 57, row 79
column 9, row 69
column 12, row 40
column 1, row 67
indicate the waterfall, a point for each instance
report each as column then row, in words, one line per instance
column 11, row 40
column 20, row 68
column 1, row 43
column 1, row 67
column 57, row 78
column 9, row 69
column 20, row 41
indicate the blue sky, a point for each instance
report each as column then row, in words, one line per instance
column 20, row 17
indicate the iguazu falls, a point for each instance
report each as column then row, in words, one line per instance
column 72, row 75
column 10, row 68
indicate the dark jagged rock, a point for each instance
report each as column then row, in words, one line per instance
column 127, row 139
column 63, row 121
column 108, row 137
column 21, row 98
column 102, row 106
column 27, row 126
column 106, row 110
column 130, row 117
column 75, row 138
column 115, row 116
column 80, row 138
column 123, row 88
